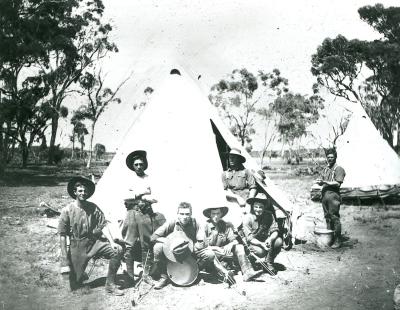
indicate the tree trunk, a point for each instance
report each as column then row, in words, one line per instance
column 398, row 139
column 82, row 145
column 3, row 154
column 24, row 153
column 73, row 145
column 54, row 127
column 89, row 162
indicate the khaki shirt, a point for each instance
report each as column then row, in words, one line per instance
column 191, row 230
column 221, row 237
column 336, row 173
column 81, row 222
column 239, row 181
column 259, row 228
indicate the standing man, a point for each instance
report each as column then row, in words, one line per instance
column 220, row 245
column 185, row 223
column 141, row 221
column 332, row 177
column 261, row 230
column 238, row 181
column 84, row 223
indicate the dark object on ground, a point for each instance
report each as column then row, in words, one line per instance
column 48, row 211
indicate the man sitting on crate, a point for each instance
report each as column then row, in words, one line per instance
column 261, row 231
column 84, row 223
column 220, row 245
column 141, row 221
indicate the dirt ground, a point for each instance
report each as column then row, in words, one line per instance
column 362, row 275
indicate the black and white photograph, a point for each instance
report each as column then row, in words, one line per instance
column 199, row 154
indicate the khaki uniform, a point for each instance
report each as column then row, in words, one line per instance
column 83, row 225
column 331, row 199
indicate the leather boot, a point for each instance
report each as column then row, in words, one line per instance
column 247, row 269
column 111, row 287
column 160, row 268
column 337, row 228
column 162, row 282
column 224, row 274
column 270, row 262
column 130, row 274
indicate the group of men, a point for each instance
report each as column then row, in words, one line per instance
column 148, row 237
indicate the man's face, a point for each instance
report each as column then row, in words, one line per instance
column 258, row 208
column 184, row 215
column 234, row 160
column 138, row 166
column 215, row 215
column 331, row 159
column 81, row 192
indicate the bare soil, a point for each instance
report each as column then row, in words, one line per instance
column 362, row 275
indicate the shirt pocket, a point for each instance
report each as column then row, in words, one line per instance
column 240, row 180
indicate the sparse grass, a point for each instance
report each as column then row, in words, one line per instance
column 29, row 259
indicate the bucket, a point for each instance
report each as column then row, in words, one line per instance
column 324, row 237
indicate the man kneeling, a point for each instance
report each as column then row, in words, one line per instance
column 84, row 224
column 220, row 245
column 261, row 230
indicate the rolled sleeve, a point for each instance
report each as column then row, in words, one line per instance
column 101, row 220
column 250, row 180
column 199, row 232
column 248, row 227
column 230, row 233
column 224, row 181
column 339, row 174
column 274, row 227
column 161, row 231
column 64, row 223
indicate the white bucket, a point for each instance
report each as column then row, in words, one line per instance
column 324, row 237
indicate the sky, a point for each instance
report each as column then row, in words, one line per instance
column 212, row 38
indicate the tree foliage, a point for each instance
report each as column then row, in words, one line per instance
column 242, row 94
column 98, row 98
column 99, row 150
column 295, row 113
column 367, row 72
column 45, row 47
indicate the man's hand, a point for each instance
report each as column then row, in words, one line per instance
column 267, row 244
column 161, row 240
column 319, row 181
column 228, row 248
column 116, row 247
column 149, row 198
column 241, row 201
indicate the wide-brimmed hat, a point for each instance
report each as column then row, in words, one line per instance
column 183, row 273
column 261, row 197
column 207, row 211
column 178, row 246
column 134, row 155
column 237, row 152
column 90, row 186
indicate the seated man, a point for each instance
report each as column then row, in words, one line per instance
column 84, row 224
column 238, row 181
column 261, row 230
column 220, row 244
column 141, row 221
column 185, row 223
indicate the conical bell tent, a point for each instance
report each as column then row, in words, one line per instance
column 183, row 137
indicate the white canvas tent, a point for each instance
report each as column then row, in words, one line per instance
column 182, row 134
column 372, row 167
